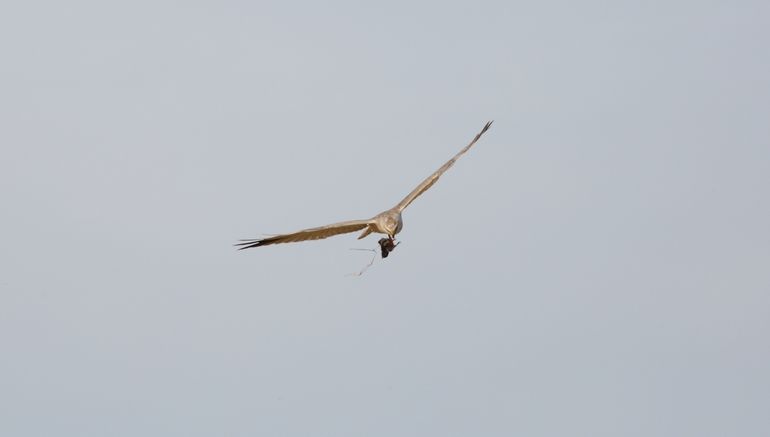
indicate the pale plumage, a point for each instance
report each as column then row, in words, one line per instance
column 387, row 222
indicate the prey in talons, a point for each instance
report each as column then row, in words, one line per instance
column 387, row 245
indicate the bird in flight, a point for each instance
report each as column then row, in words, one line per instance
column 387, row 222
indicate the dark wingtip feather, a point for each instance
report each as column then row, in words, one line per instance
column 247, row 244
column 478, row 135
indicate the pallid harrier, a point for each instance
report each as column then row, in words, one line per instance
column 387, row 222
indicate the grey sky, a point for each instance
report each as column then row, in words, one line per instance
column 601, row 265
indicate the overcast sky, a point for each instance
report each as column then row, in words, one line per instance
column 597, row 265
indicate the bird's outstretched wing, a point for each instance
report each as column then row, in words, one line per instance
column 430, row 180
column 307, row 234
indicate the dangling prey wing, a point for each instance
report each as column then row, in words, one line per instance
column 430, row 180
column 307, row 234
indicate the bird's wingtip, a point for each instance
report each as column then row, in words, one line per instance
column 246, row 244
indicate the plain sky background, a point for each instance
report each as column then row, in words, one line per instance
column 598, row 265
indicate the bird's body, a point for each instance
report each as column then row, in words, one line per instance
column 388, row 222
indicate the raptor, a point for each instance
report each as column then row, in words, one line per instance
column 387, row 222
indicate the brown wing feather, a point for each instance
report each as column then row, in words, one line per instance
column 430, row 180
column 307, row 234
